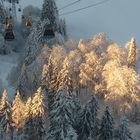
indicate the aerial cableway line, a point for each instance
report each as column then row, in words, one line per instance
column 83, row 8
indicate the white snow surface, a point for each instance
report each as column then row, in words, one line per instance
column 7, row 62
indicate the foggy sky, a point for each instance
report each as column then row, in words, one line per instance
column 119, row 19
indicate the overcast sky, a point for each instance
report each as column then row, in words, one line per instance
column 119, row 19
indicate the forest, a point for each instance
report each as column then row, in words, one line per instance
column 67, row 89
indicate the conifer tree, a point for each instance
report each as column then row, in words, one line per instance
column 17, row 109
column 49, row 82
column 50, row 74
column 64, row 77
column 132, row 50
column 49, row 11
column 123, row 131
column 76, row 112
column 28, row 131
column 88, row 126
column 38, row 112
column 60, row 120
column 62, row 28
column 107, row 126
column 34, row 113
column 93, row 108
column 5, row 116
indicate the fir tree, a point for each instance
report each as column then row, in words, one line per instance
column 28, row 131
column 88, row 126
column 17, row 109
column 38, row 112
column 2, row 13
column 107, row 126
column 123, row 131
column 49, row 11
column 35, row 41
column 93, row 108
column 34, row 113
column 64, row 77
column 62, row 28
column 76, row 111
column 132, row 50
column 49, row 82
column 60, row 120
column 5, row 115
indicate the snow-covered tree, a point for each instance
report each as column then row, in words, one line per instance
column 50, row 73
column 22, row 84
column 34, row 114
column 62, row 28
column 49, row 11
column 51, row 70
column 38, row 111
column 38, row 105
column 64, row 77
column 75, row 59
column 18, row 108
column 60, row 120
column 35, row 40
column 135, row 115
column 123, row 131
column 116, row 53
column 132, row 52
column 28, row 107
column 122, row 87
column 90, row 71
column 98, row 44
column 28, row 130
column 5, row 116
column 88, row 126
column 2, row 13
column 76, row 112
column 106, row 131
column 49, row 79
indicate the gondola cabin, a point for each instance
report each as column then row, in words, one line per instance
column 49, row 33
column 9, row 26
column 19, row 9
column 9, row 35
column 28, row 23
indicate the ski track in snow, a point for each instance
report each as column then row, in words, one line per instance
column 7, row 62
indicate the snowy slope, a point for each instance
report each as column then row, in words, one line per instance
column 7, row 62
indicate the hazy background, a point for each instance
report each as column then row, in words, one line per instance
column 119, row 19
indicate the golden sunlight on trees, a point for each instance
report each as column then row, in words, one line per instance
column 38, row 106
column 132, row 51
column 122, row 88
column 90, row 70
column 18, row 107
column 115, row 52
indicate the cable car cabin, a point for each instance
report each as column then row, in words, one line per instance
column 19, row 9
column 9, row 26
column 49, row 33
column 9, row 35
column 29, row 24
